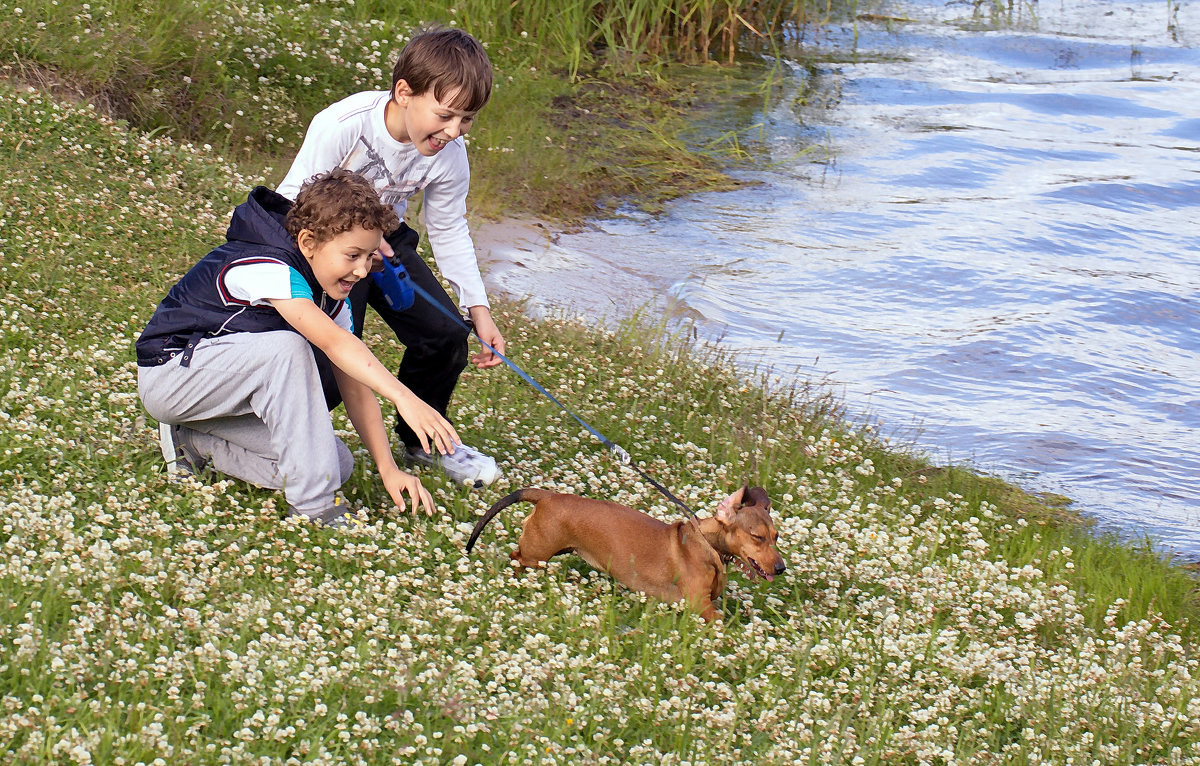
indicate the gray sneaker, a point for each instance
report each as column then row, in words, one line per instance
column 336, row 516
column 466, row 465
column 182, row 458
column 347, row 520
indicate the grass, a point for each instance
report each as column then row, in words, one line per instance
column 920, row 621
column 928, row 615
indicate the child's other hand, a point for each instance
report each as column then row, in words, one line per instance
column 487, row 330
column 398, row 483
column 385, row 251
column 427, row 424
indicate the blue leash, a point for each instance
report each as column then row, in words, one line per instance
column 615, row 448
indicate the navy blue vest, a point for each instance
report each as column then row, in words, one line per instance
column 199, row 306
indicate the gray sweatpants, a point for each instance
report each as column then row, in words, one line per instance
column 255, row 407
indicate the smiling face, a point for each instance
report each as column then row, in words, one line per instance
column 340, row 262
column 424, row 121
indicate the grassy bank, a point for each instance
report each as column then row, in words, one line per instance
column 928, row 615
column 919, row 622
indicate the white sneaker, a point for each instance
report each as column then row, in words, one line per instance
column 466, row 465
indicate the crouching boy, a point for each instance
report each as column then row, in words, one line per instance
column 226, row 366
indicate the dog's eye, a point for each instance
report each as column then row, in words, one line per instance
column 760, row 538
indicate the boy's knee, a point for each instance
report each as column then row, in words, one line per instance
column 451, row 351
column 290, row 353
column 450, row 335
column 444, row 340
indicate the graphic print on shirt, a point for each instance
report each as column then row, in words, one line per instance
column 392, row 188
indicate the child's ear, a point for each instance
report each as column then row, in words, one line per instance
column 307, row 242
column 402, row 92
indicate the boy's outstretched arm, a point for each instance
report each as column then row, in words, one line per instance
column 351, row 356
column 364, row 412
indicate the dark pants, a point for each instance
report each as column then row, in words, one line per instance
column 435, row 346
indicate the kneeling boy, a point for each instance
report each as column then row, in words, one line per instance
column 226, row 366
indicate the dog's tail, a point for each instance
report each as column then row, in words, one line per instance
column 532, row 495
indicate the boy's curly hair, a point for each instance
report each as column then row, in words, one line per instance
column 446, row 59
column 338, row 201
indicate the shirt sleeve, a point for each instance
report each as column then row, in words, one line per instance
column 447, row 229
column 258, row 283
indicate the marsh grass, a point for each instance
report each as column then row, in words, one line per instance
column 246, row 78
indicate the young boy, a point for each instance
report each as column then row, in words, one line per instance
column 407, row 140
column 225, row 363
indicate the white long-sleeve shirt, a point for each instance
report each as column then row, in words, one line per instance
column 352, row 134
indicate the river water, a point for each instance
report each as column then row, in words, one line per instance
column 984, row 236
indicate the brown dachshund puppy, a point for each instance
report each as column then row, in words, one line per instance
column 668, row 561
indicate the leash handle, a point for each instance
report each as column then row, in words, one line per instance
column 613, row 447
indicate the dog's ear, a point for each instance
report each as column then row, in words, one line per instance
column 757, row 496
column 747, row 496
column 727, row 507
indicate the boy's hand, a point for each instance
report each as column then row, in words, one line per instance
column 486, row 329
column 427, row 424
column 385, row 251
column 398, row 483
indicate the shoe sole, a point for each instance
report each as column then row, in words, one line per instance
column 166, row 445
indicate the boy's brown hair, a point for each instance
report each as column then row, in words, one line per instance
column 338, row 201
column 446, row 59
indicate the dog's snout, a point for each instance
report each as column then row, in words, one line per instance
column 780, row 568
